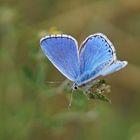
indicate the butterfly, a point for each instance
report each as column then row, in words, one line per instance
column 96, row 57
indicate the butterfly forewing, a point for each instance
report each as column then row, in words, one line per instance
column 96, row 53
column 62, row 51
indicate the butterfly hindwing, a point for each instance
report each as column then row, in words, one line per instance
column 116, row 66
column 62, row 51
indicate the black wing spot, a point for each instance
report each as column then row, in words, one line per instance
column 91, row 38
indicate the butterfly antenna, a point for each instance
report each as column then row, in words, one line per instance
column 53, row 82
column 71, row 98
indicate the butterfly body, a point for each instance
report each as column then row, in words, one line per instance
column 96, row 57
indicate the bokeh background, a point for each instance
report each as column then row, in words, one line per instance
column 33, row 109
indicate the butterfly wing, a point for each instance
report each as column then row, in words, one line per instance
column 116, row 66
column 96, row 53
column 62, row 51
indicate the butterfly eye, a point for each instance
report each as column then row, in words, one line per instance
column 75, row 87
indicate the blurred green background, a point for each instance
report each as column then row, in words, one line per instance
column 31, row 108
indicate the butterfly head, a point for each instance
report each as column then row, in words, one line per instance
column 74, row 86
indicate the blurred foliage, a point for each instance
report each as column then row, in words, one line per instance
column 33, row 109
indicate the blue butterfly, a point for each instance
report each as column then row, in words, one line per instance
column 96, row 57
